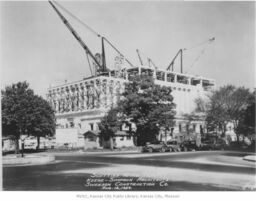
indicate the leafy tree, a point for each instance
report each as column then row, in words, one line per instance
column 23, row 112
column 247, row 124
column 109, row 125
column 42, row 119
column 149, row 106
column 227, row 104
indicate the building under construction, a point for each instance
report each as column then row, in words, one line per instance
column 80, row 105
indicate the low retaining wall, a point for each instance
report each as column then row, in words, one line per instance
column 28, row 159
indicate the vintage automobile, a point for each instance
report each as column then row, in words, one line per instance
column 159, row 146
column 173, row 145
column 8, row 144
column 218, row 144
column 207, row 145
column 189, row 145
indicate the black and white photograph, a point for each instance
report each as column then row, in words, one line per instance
column 128, row 96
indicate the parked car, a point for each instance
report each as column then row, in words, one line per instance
column 189, row 145
column 173, row 145
column 155, row 146
column 218, row 144
column 8, row 144
column 30, row 143
column 207, row 145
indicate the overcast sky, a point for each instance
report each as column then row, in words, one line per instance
column 37, row 47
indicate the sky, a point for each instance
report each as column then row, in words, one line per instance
column 37, row 47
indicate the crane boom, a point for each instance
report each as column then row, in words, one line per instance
column 75, row 34
column 172, row 63
column 139, row 57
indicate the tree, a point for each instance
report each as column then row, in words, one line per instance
column 149, row 106
column 109, row 125
column 42, row 119
column 227, row 104
column 247, row 124
column 23, row 112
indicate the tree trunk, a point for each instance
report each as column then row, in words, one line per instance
column 237, row 138
column 38, row 142
column 224, row 131
column 17, row 149
column 111, row 142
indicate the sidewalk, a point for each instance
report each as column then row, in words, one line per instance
column 28, row 159
column 251, row 158
column 93, row 152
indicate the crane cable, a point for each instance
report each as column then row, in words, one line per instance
column 208, row 42
column 89, row 62
column 118, row 51
column 92, row 30
column 80, row 21
column 200, row 44
column 196, row 59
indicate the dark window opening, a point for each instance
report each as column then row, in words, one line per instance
column 91, row 139
column 71, row 124
column 91, row 125
column 172, row 129
column 201, row 129
column 194, row 127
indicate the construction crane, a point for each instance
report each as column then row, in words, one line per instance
column 100, row 60
column 81, row 42
column 138, row 53
column 148, row 59
column 180, row 52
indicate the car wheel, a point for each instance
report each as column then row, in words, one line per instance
column 163, row 149
column 150, row 150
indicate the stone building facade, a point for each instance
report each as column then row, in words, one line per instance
column 82, row 104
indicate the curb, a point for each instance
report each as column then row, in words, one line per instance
column 28, row 160
column 251, row 158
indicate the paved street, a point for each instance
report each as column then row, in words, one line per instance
column 183, row 171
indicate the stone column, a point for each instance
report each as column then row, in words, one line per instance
column 68, row 99
column 78, row 91
column 108, row 95
column 98, row 94
column 62, row 99
column 154, row 74
column 58, row 101
column 115, row 92
column 201, row 82
column 175, row 78
column 85, row 96
column 189, row 81
column 103, row 92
